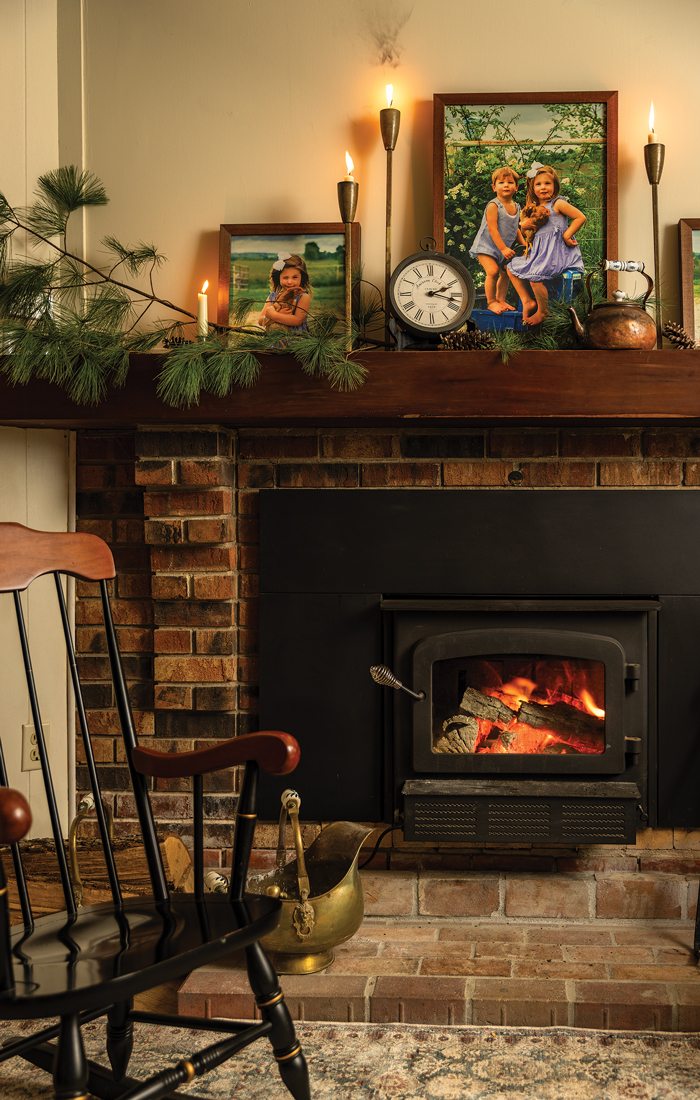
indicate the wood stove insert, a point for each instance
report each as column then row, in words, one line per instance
column 350, row 578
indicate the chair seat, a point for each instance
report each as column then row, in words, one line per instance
column 63, row 966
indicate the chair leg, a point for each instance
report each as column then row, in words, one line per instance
column 285, row 1045
column 120, row 1038
column 70, row 1068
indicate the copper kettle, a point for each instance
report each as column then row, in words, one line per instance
column 619, row 324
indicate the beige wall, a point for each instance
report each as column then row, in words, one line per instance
column 35, row 466
column 237, row 111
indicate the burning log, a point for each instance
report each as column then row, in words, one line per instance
column 459, row 735
column 476, row 704
column 561, row 717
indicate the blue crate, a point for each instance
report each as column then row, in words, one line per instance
column 487, row 321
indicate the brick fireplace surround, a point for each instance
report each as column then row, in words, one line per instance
column 587, row 936
column 452, row 933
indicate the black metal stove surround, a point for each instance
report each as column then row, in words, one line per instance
column 601, row 581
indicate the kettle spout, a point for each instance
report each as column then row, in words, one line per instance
column 578, row 327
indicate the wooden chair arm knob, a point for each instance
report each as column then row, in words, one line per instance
column 275, row 752
column 15, row 816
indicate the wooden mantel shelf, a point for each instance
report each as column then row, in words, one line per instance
column 404, row 388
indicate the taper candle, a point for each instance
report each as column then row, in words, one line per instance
column 203, row 310
column 389, row 122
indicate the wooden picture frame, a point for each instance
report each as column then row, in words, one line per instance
column 248, row 251
column 689, row 255
column 475, row 133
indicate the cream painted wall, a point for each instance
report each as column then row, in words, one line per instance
column 236, row 111
column 35, row 466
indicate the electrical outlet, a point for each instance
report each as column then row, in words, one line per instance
column 30, row 751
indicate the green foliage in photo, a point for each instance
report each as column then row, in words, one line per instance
column 478, row 139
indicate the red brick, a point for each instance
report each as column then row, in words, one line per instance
column 249, row 612
column 214, row 586
column 129, row 530
column 600, row 444
column 166, row 587
column 638, row 896
column 215, row 641
column 671, row 443
column 172, row 641
column 173, row 697
column 318, row 475
column 518, row 1002
column 558, row 474
column 278, row 445
column 633, row 1005
column 390, row 893
column 640, row 473
column 248, row 530
column 133, row 584
column 164, row 559
column 417, row 999
column 154, row 472
column 476, row 473
column 131, row 612
column 248, row 670
column 562, row 896
column 161, row 442
column 201, row 669
column 249, row 558
column 164, row 532
column 385, row 474
column 215, row 698
column 105, row 446
column 257, row 475
column 135, row 639
column 206, row 471
column 464, row 896
column 691, row 475
column 183, row 503
column 248, row 504
column 357, row 445
column 211, row 530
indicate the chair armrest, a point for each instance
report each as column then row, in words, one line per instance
column 15, row 816
column 275, row 752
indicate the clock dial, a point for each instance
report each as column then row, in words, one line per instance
column 430, row 293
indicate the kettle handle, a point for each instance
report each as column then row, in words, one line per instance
column 620, row 265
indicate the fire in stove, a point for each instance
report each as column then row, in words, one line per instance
column 519, row 705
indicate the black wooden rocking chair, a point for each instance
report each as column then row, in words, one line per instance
column 82, row 964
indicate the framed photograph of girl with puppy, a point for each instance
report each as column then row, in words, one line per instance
column 297, row 269
column 525, row 195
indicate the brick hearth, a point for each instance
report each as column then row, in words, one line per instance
column 534, row 950
column 597, row 930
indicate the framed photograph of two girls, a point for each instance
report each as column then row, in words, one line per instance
column 525, row 195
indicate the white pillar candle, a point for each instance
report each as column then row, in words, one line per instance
column 203, row 310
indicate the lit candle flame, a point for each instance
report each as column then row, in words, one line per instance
column 350, row 164
column 205, row 286
column 389, row 94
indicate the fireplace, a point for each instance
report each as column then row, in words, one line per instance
column 553, row 695
column 550, row 633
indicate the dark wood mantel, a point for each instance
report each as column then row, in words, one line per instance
column 409, row 388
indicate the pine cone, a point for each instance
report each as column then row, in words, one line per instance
column 467, row 340
column 678, row 336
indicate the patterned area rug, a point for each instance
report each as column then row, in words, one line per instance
column 412, row 1062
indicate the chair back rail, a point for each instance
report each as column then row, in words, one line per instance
column 26, row 554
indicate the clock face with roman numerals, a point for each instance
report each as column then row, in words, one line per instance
column 431, row 293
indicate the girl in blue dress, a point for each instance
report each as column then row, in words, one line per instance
column 287, row 304
column 498, row 232
column 554, row 248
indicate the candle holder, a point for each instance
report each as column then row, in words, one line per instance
column 389, row 122
column 348, row 191
column 654, row 153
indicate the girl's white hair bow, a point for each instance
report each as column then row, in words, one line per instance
column 279, row 263
column 534, row 169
